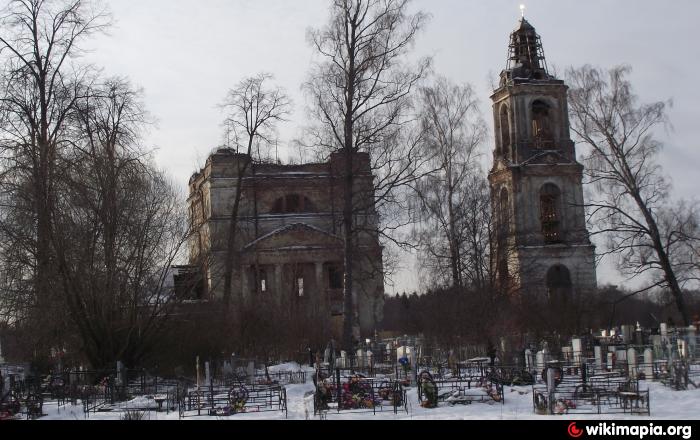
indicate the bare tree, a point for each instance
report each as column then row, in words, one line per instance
column 680, row 228
column 632, row 193
column 252, row 112
column 39, row 40
column 453, row 199
column 118, row 225
column 360, row 93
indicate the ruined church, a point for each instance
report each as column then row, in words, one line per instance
column 541, row 245
column 288, row 248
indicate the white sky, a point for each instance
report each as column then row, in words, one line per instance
column 187, row 53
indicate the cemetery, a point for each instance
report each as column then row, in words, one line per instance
column 613, row 373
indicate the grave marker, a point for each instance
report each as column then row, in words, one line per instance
column 648, row 364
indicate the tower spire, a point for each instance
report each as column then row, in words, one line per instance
column 526, row 60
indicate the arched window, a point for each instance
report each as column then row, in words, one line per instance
column 550, row 213
column 541, row 127
column 558, row 284
column 503, row 212
column 293, row 203
column 505, row 131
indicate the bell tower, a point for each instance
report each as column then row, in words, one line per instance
column 542, row 251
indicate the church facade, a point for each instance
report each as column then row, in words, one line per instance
column 288, row 251
column 541, row 246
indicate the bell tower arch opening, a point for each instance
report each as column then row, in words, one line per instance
column 541, row 115
column 505, row 132
column 550, row 213
column 559, row 286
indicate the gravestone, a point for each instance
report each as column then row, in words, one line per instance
column 528, row 359
column 207, row 375
column 621, row 355
column 551, row 388
column 638, row 336
column 540, row 360
column 627, row 333
column 658, row 346
column 577, row 349
column 648, row 364
column 567, row 353
column 120, row 373
column 405, row 351
column 632, row 362
column 360, row 358
column 664, row 333
column 197, row 370
column 250, row 371
column 692, row 341
column 610, row 363
column 682, row 348
column 598, row 353
column 343, row 359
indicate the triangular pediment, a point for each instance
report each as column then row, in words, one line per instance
column 499, row 165
column 295, row 236
column 548, row 158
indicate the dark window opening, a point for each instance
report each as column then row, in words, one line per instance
column 292, row 204
column 541, row 127
column 188, row 283
column 505, row 131
column 335, row 278
column 549, row 213
column 558, row 284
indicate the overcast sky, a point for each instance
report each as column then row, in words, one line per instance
column 187, row 53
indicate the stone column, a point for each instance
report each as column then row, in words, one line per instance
column 244, row 282
column 320, row 297
column 279, row 290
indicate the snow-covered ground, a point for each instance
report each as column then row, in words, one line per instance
column 665, row 404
